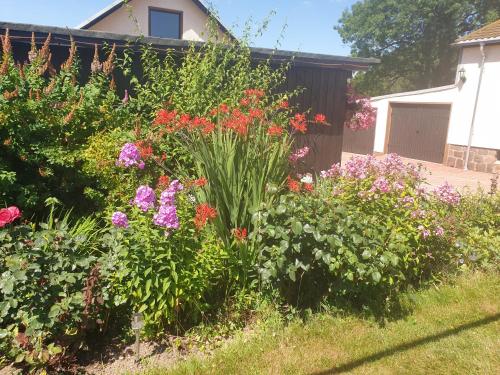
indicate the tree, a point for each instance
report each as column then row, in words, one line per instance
column 412, row 38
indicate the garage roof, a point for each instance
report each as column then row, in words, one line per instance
column 487, row 34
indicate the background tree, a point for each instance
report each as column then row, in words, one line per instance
column 412, row 38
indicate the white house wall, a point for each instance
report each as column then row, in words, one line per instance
column 487, row 124
column 445, row 95
column 120, row 21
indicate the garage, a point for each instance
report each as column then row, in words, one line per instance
column 418, row 131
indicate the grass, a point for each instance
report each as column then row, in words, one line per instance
column 452, row 330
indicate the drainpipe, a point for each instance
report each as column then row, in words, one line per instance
column 471, row 131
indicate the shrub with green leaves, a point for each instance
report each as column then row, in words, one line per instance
column 51, row 292
column 46, row 117
column 364, row 233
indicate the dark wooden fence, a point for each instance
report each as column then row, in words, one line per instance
column 323, row 78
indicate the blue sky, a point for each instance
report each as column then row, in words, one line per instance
column 309, row 22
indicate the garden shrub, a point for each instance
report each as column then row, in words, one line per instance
column 363, row 233
column 46, row 117
column 51, row 292
column 163, row 263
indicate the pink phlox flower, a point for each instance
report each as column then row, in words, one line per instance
column 145, row 198
column 130, row 156
column 381, row 184
column 119, row 219
column 447, row 194
column 334, row 171
column 299, row 154
column 166, row 217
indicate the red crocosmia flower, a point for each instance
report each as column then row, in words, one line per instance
column 245, row 102
column 293, row 185
column 223, row 108
column 163, row 181
column 184, row 120
column 308, row 187
column 240, row 234
column 204, row 213
column 275, row 130
column 9, row 215
column 145, row 149
column 257, row 93
column 299, row 123
column 321, row 118
column 200, row 182
column 256, row 113
column 165, row 117
column 283, row 105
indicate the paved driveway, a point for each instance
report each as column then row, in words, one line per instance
column 437, row 174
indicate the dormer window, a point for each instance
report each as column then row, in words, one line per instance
column 164, row 23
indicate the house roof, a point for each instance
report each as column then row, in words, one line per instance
column 21, row 33
column 487, row 34
column 117, row 4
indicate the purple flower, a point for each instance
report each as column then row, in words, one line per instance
column 145, row 198
column 119, row 220
column 167, row 197
column 381, row 184
column 130, row 156
column 334, row 171
column 425, row 232
column 447, row 194
column 167, row 217
column 299, row 154
column 439, row 231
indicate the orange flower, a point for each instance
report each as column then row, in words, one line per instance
column 200, row 182
column 256, row 113
column 145, row 149
column 257, row 93
column 293, row 185
column 321, row 118
column 240, row 234
column 165, row 117
column 245, row 102
column 308, row 187
column 299, row 123
column 204, row 213
column 163, row 181
column 283, row 105
column 275, row 130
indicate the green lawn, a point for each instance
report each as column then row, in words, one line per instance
column 452, row 330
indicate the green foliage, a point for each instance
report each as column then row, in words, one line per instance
column 355, row 240
column 412, row 38
column 165, row 276
column 46, row 118
column 51, row 294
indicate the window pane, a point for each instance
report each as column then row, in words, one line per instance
column 164, row 24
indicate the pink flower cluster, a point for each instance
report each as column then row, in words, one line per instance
column 361, row 114
column 167, row 213
column 299, row 154
column 119, row 220
column 145, row 198
column 447, row 194
column 130, row 156
column 360, row 167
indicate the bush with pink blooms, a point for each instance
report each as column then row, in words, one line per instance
column 367, row 231
column 360, row 115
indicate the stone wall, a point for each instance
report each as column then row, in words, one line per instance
column 480, row 159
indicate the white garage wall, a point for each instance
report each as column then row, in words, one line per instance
column 441, row 95
column 462, row 97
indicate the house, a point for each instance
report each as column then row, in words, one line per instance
column 173, row 19
column 458, row 124
column 323, row 77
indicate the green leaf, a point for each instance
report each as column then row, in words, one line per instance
column 297, row 227
column 376, row 276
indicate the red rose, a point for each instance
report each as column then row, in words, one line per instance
column 8, row 215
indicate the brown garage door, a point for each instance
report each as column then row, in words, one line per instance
column 419, row 131
column 358, row 141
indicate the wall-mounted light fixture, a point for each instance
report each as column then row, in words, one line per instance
column 461, row 75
